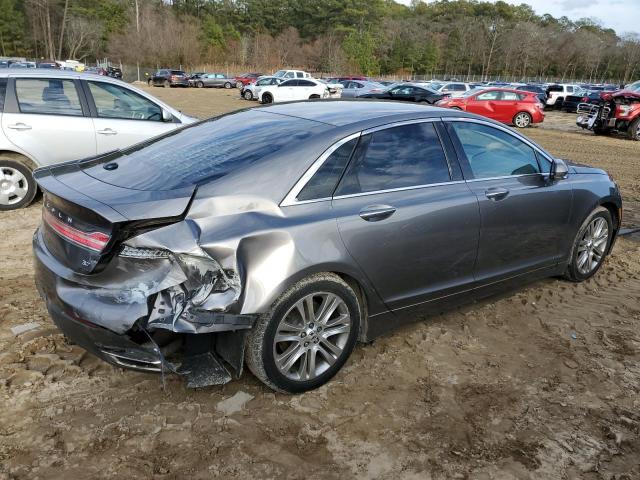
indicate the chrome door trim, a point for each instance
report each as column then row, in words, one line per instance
column 400, row 189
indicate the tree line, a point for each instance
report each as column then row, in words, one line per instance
column 371, row 37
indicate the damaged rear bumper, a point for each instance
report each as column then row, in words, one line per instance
column 131, row 315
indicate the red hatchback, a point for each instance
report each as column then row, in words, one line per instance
column 514, row 107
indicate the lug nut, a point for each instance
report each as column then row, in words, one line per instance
column 306, row 344
column 311, row 325
column 303, row 334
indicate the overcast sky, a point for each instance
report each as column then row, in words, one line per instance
column 621, row 15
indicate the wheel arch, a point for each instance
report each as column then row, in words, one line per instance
column 20, row 157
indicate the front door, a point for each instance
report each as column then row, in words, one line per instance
column 45, row 119
column 524, row 216
column 483, row 103
column 411, row 229
column 124, row 117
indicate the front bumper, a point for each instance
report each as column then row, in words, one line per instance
column 114, row 324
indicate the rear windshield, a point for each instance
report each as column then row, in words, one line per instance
column 205, row 151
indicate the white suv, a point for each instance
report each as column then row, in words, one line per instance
column 557, row 93
column 295, row 89
column 50, row 116
column 292, row 74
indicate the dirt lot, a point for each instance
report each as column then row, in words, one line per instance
column 542, row 383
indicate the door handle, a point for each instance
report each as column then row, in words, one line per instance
column 19, row 126
column 107, row 131
column 375, row 213
column 496, row 193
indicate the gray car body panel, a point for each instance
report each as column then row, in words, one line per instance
column 444, row 246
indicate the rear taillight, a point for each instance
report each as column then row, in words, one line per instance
column 95, row 241
column 585, row 99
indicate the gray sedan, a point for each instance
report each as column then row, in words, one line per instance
column 286, row 234
column 219, row 80
column 355, row 88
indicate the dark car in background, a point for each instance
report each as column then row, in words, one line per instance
column 114, row 72
column 407, row 92
column 168, row 78
column 571, row 102
column 50, row 64
column 540, row 91
column 271, row 235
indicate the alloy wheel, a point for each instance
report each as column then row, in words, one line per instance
column 13, row 186
column 311, row 336
column 592, row 246
column 522, row 120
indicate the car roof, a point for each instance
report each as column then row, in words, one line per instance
column 350, row 112
column 51, row 73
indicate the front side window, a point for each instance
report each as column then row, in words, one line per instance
column 569, row 89
column 488, row 95
column 405, row 156
column 50, row 97
column 494, row 153
column 266, row 81
column 404, row 90
column 113, row 101
column 299, row 74
column 289, row 75
column 324, row 181
column 458, row 87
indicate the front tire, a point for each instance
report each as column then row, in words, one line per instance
column 314, row 96
column 267, row 98
column 227, row 85
column 590, row 246
column 634, row 130
column 522, row 120
column 166, row 84
column 307, row 336
column 248, row 95
column 150, row 83
column 17, row 186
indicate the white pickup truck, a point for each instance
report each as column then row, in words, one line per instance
column 557, row 93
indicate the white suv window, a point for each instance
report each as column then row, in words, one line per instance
column 113, row 101
column 49, row 97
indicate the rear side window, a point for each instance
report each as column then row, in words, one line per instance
column 324, row 181
column 510, row 96
column 51, row 97
column 290, row 83
column 405, row 156
column 3, row 92
column 306, row 83
column 494, row 153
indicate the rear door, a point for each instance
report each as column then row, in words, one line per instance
column 524, row 215
column 405, row 216
column 483, row 103
column 48, row 118
column 122, row 117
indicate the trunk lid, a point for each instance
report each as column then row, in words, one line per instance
column 85, row 220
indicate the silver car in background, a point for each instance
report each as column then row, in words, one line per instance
column 355, row 88
column 52, row 116
column 219, row 80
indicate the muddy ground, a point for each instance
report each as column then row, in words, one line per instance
column 541, row 383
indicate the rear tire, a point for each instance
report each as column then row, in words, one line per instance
column 239, row 85
column 634, row 130
column 314, row 97
column 17, row 186
column 166, row 84
column 150, row 83
column 590, row 246
column 293, row 351
column 559, row 102
column 200, row 84
column 522, row 119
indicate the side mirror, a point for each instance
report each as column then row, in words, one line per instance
column 167, row 116
column 559, row 170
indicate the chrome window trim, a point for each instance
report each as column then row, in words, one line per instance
column 399, row 189
column 291, row 199
column 503, row 128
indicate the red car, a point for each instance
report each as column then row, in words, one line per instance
column 246, row 79
column 514, row 107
